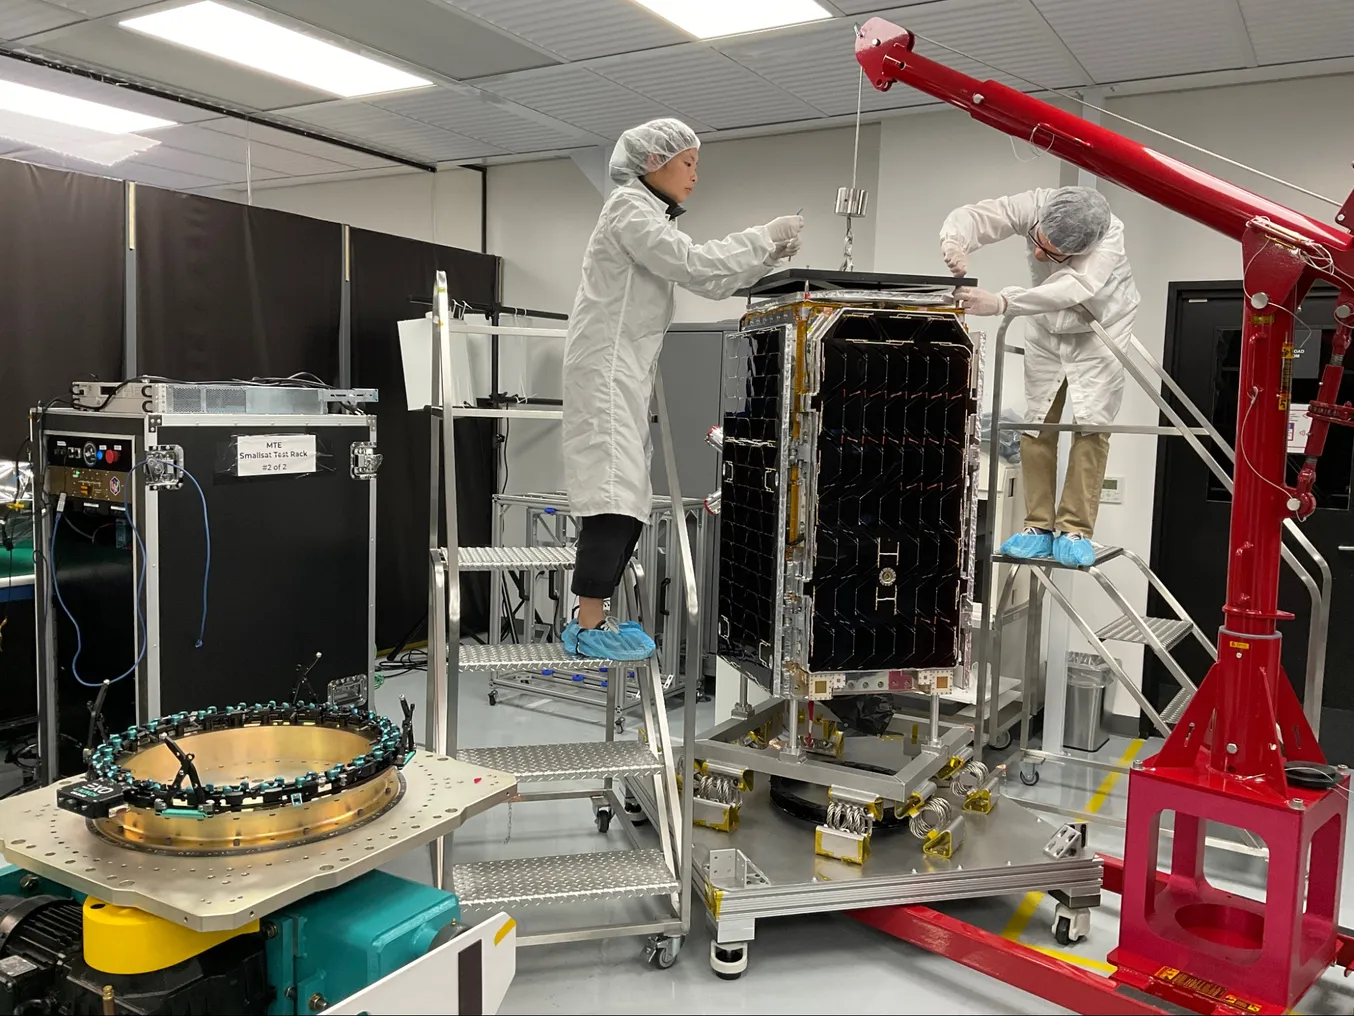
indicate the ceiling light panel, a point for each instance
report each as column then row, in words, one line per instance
column 66, row 109
column 711, row 19
column 478, row 115
column 577, row 96
column 705, row 84
column 232, row 35
column 576, row 29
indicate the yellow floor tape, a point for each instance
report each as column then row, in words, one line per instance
column 1015, row 927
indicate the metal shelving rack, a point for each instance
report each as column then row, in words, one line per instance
column 1159, row 634
column 663, row 872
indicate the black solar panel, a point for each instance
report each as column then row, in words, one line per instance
column 887, row 501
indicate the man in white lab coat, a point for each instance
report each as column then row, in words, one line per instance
column 635, row 257
column 1077, row 260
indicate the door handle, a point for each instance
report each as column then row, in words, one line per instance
column 1345, row 550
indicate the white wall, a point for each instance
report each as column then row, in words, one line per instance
column 939, row 159
column 441, row 207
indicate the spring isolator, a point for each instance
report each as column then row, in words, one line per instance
column 969, row 779
column 849, row 817
column 718, row 788
column 931, row 817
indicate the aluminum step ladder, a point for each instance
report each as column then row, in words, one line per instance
column 661, row 871
column 1161, row 635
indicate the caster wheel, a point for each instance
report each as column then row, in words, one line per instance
column 1002, row 741
column 1062, row 931
column 1030, row 777
column 603, row 820
column 728, row 961
column 662, row 951
column 493, row 698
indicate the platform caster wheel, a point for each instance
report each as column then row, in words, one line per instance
column 634, row 812
column 663, row 949
column 728, row 961
column 603, row 818
column 1001, row 742
column 1029, row 775
column 1071, row 926
column 493, row 698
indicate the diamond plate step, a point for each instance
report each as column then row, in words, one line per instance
column 476, row 559
column 569, row 878
column 1168, row 630
column 1176, row 707
column 591, row 760
column 1103, row 553
column 507, row 658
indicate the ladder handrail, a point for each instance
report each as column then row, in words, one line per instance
column 675, row 497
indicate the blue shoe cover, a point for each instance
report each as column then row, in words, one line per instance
column 569, row 638
column 1032, row 543
column 624, row 641
column 1073, row 551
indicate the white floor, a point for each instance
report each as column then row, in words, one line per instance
column 815, row 964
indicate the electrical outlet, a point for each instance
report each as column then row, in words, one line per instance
column 1112, row 490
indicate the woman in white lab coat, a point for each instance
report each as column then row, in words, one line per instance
column 635, row 257
column 1077, row 260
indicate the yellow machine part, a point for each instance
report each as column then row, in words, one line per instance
column 124, row 940
column 861, row 855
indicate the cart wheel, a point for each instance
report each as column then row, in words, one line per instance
column 1062, row 931
column 603, row 820
column 493, row 698
column 728, row 961
column 1030, row 776
column 663, row 949
column 1002, row 741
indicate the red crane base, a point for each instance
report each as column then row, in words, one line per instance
column 1271, row 950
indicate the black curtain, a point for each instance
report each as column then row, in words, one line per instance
column 388, row 273
column 61, row 288
column 229, row 291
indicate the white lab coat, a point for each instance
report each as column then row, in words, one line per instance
column 623, row 309
column 1058, row 343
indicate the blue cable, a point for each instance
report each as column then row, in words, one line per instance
column 140, row 582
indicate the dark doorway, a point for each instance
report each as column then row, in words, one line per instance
column 1190, row 528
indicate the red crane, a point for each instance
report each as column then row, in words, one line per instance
column 1235, row 753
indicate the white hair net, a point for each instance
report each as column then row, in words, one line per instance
column 1075, row 219
column 648, row 147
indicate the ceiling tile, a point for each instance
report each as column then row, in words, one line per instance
column 19, row 18
column 265, row 157
column 1117, row 41
column 96, row 91
column 576, row 95
column 1286, row 32
column 427, row 34
column 276, row 138
column 817, row 64
column 850, row 7
column 101, row 8
column 705, row 84
column 129, row 169
column 577, row 29
column 167, row 157
column 384, row 129
column 482, row 116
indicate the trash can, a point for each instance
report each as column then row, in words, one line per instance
column 1087, row 679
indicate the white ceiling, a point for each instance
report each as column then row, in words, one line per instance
column 535, row 78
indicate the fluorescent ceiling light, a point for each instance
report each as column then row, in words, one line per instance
column 709, row 19
column 95, row 116
column 231, row 34
column 98, row 147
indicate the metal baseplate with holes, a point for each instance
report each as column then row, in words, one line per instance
column 366, row 460
column 164, row 467
column 589, row 760
column 221, row 893
column 548, row 657
column 571, row 878
column 543, row 558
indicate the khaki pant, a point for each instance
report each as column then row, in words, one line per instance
column 1085, row 474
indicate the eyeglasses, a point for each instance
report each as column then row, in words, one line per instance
column 1057, row 257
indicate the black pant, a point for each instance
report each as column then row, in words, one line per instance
column 605, row 545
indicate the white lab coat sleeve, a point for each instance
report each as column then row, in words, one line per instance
column 655, row 243
column 977, row 225
column 1075, row 283
column 722, row 289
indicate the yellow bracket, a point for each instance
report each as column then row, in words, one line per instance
column 980, row 801
column 124, row 940
column 938, row 844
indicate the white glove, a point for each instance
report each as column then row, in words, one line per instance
column 787, row 227
column 979, row 302
column 956, row 260
column 784, row 251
